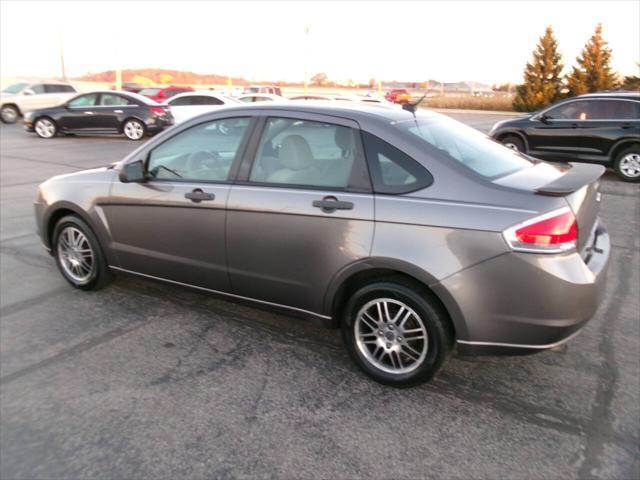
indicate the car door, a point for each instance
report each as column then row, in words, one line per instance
column 80, row 113
column 555, row 134
column 182, row 107
column 173, row 225
column 110, row 111
column 300, row 211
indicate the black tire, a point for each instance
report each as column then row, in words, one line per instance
column 9, row 114
column 134, row 125
column 435, row 319
column 623, row 168
column 513, row 141
column 100, row 274
column 51, row 128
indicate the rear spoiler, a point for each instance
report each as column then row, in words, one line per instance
column 579, row 175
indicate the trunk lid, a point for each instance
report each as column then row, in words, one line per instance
column 577, row 183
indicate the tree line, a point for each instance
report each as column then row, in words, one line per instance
column 544, row 83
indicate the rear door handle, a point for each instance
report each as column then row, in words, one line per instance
column 330, row 204
column 627, row 125
column 117, row 111
column 88, row 113
column 197, row 196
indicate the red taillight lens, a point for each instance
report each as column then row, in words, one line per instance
column 159, row 111
column 552, row 232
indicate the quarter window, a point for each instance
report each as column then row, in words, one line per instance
column 84, row 100
column 304, row 153
column 201, row 153
column 392, row 170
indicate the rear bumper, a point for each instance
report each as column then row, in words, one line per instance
column 523, row 303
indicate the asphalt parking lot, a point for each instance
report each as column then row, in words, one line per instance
column 146, row 380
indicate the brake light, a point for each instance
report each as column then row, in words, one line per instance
column 159, row 111
column 553, row 232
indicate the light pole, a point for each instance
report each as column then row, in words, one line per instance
column 306, row 52
column 64, row 73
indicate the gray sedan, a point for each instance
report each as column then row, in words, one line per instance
column 412, row 233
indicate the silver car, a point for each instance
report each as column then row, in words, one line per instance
column 410, row 231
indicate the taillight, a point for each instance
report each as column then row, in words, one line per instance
column 159, row 111
column 553, row 232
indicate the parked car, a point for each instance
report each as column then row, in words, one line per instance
column 475, row 244
column 260, row 97
column 323, row 96
column 131, row 87
column 23, row 97
column 398, row 95
column 597, row 127
column 263, row 89
column 101, row 112
column 162, row 94
column 189, row 104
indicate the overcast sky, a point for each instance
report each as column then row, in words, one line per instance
column 488, row 42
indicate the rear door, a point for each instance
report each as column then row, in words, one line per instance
column 173, row 226
column 110, row 111
column 300, row 211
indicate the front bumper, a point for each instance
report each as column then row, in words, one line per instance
column 523, row 303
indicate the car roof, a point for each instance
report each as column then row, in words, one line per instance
column 197, row 93
column 616, row 94
column 131, row 95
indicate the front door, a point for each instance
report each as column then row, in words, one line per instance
column 80, row 113
column 300, row 212
column 173, row 226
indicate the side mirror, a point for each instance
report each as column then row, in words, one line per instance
column 28, row 91
column 544, row 118
column 133, row 172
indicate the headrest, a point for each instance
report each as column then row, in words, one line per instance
column 295, row 153
column 344, row 138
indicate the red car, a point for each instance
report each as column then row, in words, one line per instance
column 162, row 94
column 398, row 95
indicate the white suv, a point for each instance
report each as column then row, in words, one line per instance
column 19, row 98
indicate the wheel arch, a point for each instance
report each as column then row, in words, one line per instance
column 14, row 105
column 132, row 117
column 367, row 271
column 621, row 145
column 56, row 212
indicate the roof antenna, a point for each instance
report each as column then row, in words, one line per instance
column 412, row 107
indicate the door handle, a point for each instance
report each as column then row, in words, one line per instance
column 197, row 196
column 627, row 125
column 117, row 111
column 88, row 113
column 331, row 204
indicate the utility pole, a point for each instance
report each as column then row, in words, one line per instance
column 306, row 53
column 64, row 73
column 118, row 79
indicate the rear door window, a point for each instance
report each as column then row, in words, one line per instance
column 304, row 153
column 112, row 100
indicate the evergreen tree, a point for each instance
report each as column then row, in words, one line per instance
column 542, row 80
column 593, row 72
column 631, row 82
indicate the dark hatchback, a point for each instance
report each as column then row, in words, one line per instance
column 598, row 127
column 124, row 113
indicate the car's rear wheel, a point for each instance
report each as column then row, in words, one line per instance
column 9, row 114
column 133, row 129
column 513, row 142
column 627, row 164
column 397, row 334
column 45, row 127
column 78, row 254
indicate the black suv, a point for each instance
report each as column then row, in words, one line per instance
column 596, row 127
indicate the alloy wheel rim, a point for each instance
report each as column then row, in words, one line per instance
column 45, row 128
column 9, row 114
column 391, row 336
column 133, row 130
column 512, row 146
column 630, row 165
column 76, row 255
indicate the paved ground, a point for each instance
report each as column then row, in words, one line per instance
column 144, row 380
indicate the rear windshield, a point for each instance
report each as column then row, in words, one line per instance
column 149, row 91
column 15, row 88
column 465, row 145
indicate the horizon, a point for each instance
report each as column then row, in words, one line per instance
column 493, row 51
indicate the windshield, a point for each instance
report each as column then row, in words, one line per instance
column 465, row 145
column 149, row 91
column 15, row 88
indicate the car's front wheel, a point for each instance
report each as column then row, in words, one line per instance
column 78, row 254
column 45, row 127
column 513, row 142
column 133, row 129
column 9, row 114
column 627, row 164
column 396, row 333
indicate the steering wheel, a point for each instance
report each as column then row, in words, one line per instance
column 201, row 160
